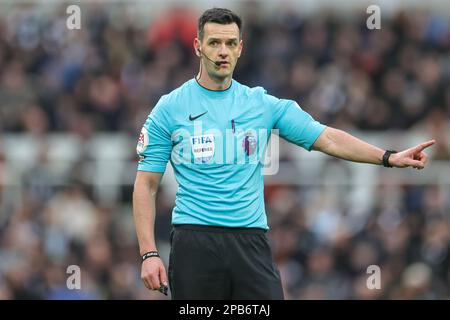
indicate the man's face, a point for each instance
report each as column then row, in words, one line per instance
column 221, row 42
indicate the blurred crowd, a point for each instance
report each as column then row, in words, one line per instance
column 106, row 77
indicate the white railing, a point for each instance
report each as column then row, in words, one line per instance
column 108, row 161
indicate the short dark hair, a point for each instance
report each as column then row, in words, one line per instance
column 218, row 15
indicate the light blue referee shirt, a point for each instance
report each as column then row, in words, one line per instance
column 216, row 141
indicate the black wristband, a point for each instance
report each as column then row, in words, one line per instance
column 150, row 254
column 386, row 156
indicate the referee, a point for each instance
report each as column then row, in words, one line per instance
column 214, row 131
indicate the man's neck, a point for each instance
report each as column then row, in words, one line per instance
column 213, row 83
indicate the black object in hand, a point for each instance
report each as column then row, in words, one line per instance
column 163, row 289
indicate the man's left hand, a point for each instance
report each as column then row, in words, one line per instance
column 412, row 157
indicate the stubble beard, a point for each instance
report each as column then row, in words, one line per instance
column 219, row 78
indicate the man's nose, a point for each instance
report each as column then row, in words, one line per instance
column 223, row 51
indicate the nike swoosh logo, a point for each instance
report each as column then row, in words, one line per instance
column 196, row 117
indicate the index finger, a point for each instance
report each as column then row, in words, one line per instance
column 162, row 275
column 424, row 145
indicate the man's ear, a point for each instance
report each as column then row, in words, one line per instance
column 197, row 47
column 241, row 45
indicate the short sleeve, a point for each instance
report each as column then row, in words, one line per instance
column 294, row 124
column 154, row 144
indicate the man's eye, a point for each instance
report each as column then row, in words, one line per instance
column 214, row 43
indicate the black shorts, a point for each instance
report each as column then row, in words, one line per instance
column 222, row 263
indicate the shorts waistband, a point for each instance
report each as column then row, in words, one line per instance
column 205, row 228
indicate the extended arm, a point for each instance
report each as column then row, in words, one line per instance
column 342, row 145
column 144, row 195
